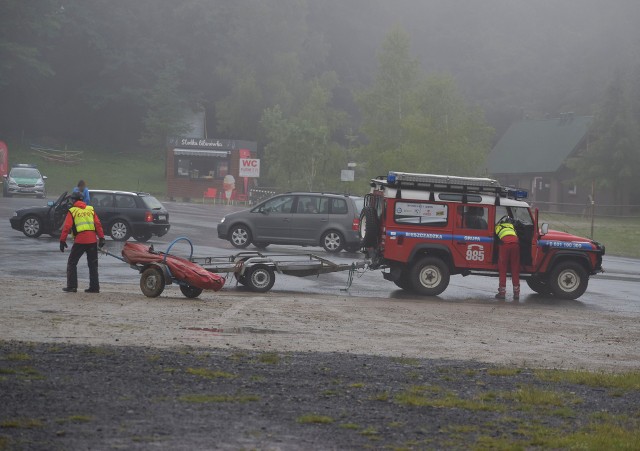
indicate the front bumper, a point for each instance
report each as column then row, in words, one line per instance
column 15, row 223
column 25, row 191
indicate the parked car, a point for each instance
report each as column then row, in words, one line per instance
column 123, row 214
column 304, row 219
column 24, row 179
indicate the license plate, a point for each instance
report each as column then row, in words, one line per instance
column 162, row 217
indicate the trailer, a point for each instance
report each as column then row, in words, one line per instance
column 252, row 269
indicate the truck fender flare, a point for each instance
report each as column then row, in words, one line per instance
column 580, row 257
column 432, row 249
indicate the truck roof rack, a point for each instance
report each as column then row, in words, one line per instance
column 447, row 183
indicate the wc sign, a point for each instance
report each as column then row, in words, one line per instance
column 249, row 167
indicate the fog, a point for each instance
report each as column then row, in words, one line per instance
column 85, row 70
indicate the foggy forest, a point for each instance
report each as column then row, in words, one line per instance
column 409, row 84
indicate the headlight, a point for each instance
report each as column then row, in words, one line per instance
column 15, row 213
column 222, row 220
column 12, row 182
column 39, row 183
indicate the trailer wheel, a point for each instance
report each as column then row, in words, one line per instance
column 568, row 280
column 429, row 276
column 190, row 292
column 259, row 278
column 152, row 282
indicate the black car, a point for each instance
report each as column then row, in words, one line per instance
column 123, row 214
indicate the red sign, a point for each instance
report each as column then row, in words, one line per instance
column 4, row 159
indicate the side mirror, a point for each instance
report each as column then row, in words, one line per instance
column 544, row 229
column 44, row 177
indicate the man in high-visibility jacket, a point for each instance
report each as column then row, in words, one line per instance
column 85, row 225
column 508, row 257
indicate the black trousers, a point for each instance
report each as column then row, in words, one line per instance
column 92, row 260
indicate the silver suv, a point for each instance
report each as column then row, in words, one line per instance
column 305, row 219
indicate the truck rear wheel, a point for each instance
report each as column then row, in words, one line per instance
column 429, row 276
column 568, row 280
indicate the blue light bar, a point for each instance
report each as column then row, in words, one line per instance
column 391, row 177
column 517, row 193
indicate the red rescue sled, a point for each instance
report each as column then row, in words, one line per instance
column 181, row 269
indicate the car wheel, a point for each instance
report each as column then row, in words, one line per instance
column 259, row 278
column 369, row 227
column 32, row 226
column 120, row 230
column 429, row 276
column 152, row 282
column 568, row 280
column 190, row 292
column 240, row 236
column 332, row 241
column 143, row 238
column 539, row 285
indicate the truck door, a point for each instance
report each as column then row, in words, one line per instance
column 414, row 225
column 473, row 240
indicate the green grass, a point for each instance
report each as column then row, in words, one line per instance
column 421, row 396
column 236, row 399
column 107, row 169
column 314, row 418
column 622, row 381
column 271, row 358
column 210, row 374
column 21, row 423
column 18, row 357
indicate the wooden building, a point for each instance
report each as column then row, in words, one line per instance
column 199, row 165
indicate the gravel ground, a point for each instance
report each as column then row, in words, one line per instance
column 68, row 397
column 234, row 370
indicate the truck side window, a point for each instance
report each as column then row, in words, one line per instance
column 421, row 213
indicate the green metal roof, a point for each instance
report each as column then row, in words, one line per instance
column 538, row 145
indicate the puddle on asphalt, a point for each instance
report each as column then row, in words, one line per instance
column 236, row 330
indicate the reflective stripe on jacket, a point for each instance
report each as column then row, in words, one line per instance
column 505, row 229
column 83, row 219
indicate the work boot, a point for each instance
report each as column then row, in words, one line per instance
column 92, row 290
column 69, row 290
column 502, row 294
column 516, row 293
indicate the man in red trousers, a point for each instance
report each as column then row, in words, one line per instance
column 508, row 257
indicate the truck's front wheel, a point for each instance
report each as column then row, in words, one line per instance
column 568, row 280
column 430, row 276
column 539, row 285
